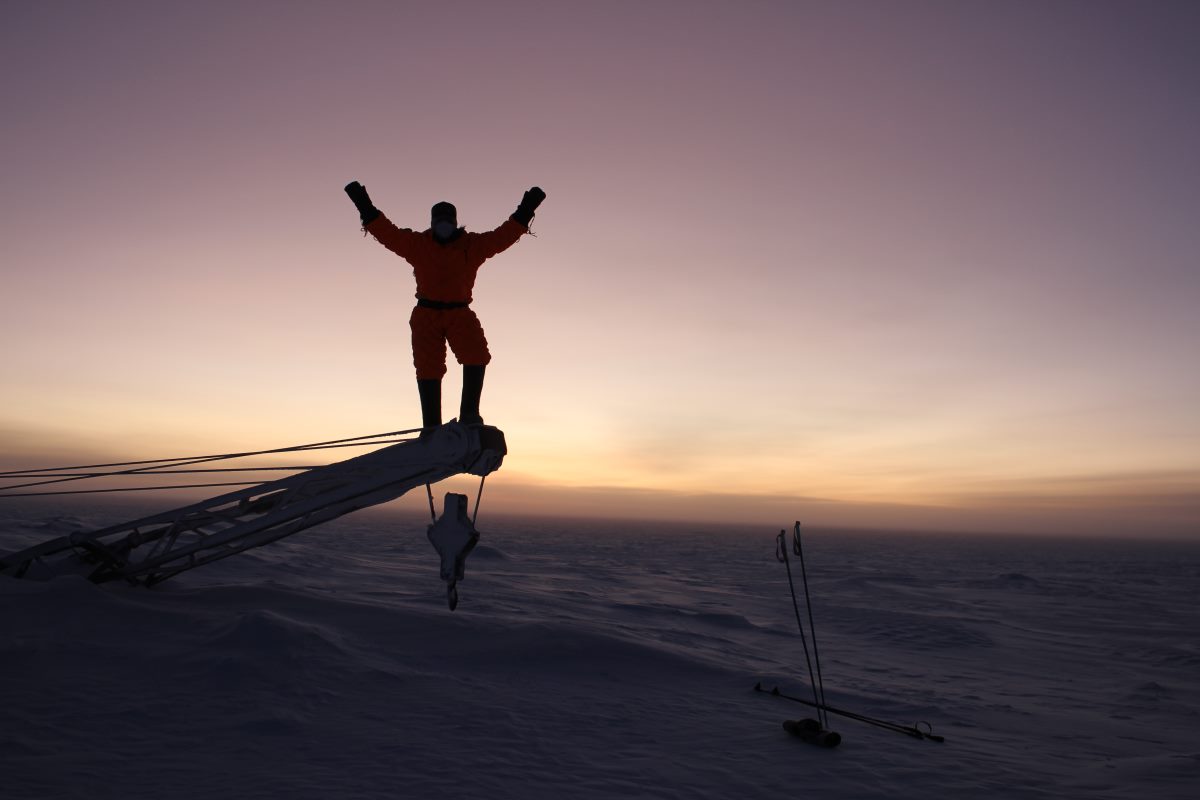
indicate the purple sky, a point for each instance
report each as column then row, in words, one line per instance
column 910, row 263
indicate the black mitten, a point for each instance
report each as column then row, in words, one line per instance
column 362, row 201
column 529, row 203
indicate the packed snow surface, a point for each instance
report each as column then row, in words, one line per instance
column 597, row 660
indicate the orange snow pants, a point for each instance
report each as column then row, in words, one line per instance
column 432, row 328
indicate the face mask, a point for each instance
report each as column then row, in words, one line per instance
column 444, row 229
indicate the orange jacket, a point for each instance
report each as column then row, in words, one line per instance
column 445, row 272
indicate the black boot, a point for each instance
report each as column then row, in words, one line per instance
column 430, row 390
column 468, row 413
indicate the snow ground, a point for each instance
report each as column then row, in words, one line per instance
column 597, row 660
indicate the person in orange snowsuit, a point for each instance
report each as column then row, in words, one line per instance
column 445, row 259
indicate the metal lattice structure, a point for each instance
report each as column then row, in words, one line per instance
column 149, row 550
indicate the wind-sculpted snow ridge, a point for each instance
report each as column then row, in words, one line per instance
column 679, row 615
column 1011, row 580
column 600, row 661
column 895, row 630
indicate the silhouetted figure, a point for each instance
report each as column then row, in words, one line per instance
column 445, row 259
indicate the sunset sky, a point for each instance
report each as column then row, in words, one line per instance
column 903, row 264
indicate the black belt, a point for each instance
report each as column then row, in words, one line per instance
column 439, row 305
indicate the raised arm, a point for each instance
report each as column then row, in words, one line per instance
column 399, row 240
column 510, row 231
